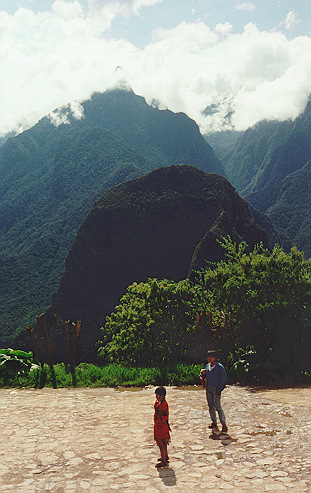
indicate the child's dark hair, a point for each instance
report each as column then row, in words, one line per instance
column 160, row 391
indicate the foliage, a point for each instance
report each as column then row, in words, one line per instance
column 14, row 363
column 258, row 308
column 260, row 300
column 153, row 324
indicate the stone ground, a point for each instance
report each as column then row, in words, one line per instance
column 99, row 440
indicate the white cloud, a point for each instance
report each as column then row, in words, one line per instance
column 292, row 21
column 119, row 7
column 138, row 4
column 224, row 29
column 248, row 6
column 64, row 114
column 237, row 74
column 54, row 58
column 66, row 10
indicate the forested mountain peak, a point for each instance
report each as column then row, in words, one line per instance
column 164, row 224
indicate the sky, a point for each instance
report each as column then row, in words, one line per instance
column 227, row 64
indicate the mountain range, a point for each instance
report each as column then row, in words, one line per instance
column 53, row 173
column 50, row 176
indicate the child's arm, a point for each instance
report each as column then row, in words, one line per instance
column 203, row 378
column 165, row 415
column 163, row 412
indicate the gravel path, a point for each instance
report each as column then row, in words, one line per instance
column 98, row 440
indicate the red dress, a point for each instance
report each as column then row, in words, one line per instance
column 161, row 428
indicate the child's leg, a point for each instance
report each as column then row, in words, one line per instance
column 163, row 450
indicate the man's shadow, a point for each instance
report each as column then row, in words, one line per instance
column 168, row 476
column 224, row 438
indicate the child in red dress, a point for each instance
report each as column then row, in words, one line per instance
column 161, row 426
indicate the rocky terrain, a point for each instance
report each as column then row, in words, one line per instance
column 96, row 440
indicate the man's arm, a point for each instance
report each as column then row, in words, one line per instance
column 223, row 379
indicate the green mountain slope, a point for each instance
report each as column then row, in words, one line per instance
column 267, row 165
column 39, row 220
column 292, row 210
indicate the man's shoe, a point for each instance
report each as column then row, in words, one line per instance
column 224, row 428
column 213, row 425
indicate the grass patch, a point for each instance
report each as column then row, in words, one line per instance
column 114, row 375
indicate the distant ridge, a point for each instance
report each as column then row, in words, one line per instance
column 270, row 166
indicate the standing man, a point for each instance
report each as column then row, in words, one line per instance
column 215, row 381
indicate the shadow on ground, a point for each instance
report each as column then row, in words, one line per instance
column 224, row 438
column 168, row 476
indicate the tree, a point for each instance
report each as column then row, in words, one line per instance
column 154, row 323
column 260, row 300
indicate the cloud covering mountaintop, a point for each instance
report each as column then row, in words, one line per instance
column 220, row 74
